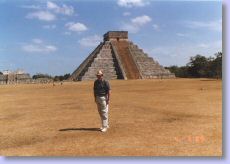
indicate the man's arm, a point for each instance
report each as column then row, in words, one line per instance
column 108, row 92
column 108, row 97
column 94, row 91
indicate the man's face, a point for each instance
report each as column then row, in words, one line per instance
column 99, row 77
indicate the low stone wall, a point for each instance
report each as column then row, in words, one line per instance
column 15, row 79
column 3, row 79
column 42, row 81
column 22, row 79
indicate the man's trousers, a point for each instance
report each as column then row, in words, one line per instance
column 103, row 110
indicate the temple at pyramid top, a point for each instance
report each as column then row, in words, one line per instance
column 119, row 58
column 116, row 35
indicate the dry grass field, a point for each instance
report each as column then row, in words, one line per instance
column 170, row 117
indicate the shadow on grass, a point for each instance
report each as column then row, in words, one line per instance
column 80, row 129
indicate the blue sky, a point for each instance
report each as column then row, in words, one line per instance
column 54, row 37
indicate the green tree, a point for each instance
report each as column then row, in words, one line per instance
column 216, row 65
column 40, row 75
column 198, row 66
column 66, row 76
column 179, row 71
column 61, row 77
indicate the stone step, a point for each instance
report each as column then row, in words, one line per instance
column 106, row 50
column 101, row 64
column 93, row 72
column 144, row 59
column 136, row 55
column 94, row 77
column 105, row 70
column 104, row 55
column 103, row 60
column 149, row 67
column 106, row 47
column 153, row 70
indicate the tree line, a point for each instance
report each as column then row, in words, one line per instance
column 55, row 78
column 200, row 67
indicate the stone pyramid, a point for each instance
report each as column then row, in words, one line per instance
column 119, row 58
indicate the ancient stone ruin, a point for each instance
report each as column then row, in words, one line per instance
column 119, row 58
column 17, row 77
column 20, row 77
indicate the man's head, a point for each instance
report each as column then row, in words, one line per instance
column 99, row 74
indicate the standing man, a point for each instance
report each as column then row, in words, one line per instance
column 102, row 95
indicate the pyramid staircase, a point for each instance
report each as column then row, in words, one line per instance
column 119, row 58
column 128, row 62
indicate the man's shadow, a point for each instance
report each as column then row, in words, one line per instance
column 80, row 129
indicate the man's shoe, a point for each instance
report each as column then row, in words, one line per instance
column 103, row 129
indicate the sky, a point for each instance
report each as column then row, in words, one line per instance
column 55, row 36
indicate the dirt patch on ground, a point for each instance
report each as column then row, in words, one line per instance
column 175, row 117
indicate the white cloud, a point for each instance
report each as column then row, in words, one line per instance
column 41, row 15
column 126, row 14
column 90, row 41
column 30, row 7
column 141, row 20
column 136, row 23
column 52, row 26
column 211, row 25
column 64, row 9
column 38, row 46
column 51, row 5
column 77, row 27
column 48, row 12
column 132, row 3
